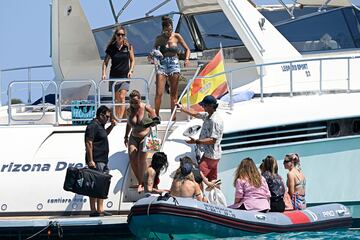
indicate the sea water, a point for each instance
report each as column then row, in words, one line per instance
column 323, row 235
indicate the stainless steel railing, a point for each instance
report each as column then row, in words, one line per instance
column 29, row 75
column 261, row 68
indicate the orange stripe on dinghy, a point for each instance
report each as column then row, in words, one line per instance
column 297, row 217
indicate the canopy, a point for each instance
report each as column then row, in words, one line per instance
column 195, row 6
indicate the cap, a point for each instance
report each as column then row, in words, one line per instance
column 208, row 100
column 186, row 169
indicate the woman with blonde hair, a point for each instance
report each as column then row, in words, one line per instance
column 121, row 53
column 184, row 184
column 251, row 189
column 275, row 183
column 138, row 127
column 295, row 181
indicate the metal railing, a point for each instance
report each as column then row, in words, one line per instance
column 261, row 68
column 29, row 74
column 63, row 101
column 42, row 83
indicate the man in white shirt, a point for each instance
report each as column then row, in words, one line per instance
column 210, row 136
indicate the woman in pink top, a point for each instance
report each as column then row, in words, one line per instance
column 252, row 192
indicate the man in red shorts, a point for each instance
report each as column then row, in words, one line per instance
column 210, row 136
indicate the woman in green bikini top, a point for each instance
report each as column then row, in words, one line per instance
column 138, row 129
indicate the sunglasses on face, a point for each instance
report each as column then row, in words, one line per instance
column 120, row 34
column 286, row 161
column 107, row 116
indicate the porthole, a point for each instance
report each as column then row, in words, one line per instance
column 356, row 126
column 334, row 129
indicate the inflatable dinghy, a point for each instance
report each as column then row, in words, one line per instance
column 164, row 217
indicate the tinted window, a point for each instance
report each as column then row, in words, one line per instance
column 320, row 32
column 185, row 33
column 214, row 29
column 140, row 33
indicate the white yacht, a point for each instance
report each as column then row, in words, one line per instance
column 301, row 61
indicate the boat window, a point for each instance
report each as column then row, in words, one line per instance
column 334, row 129
column 141, row 34
column 183, row 29
column 324, row 31
column 356, row 126
column 215, row 28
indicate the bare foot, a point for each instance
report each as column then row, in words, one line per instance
column 140, row 188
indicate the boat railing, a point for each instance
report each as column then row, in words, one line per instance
column 80, row 96
column 261, row 68
column 82, row 102
column 29, row 77
column 113, row 103
column 35, row 118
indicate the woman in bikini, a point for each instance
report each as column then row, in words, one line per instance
column 159, row 164
column 184, row 184
column 136, row 114
column 295, row 181
column 168, row 68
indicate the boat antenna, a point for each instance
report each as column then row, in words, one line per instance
column 116, row 16
column 157, row 7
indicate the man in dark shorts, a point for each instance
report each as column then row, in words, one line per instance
column 210, row 136
column 97, row 150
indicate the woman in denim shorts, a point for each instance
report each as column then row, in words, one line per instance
column 168, row 68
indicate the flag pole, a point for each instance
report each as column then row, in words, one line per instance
column 229, row 83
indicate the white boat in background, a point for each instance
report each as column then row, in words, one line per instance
column 302, row 61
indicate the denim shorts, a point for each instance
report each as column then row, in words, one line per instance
column 119, row 85
column 168, row 66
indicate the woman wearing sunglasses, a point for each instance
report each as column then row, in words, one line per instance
column 137, row 128
column 121, row 53
column 295, row 181
column 168, row 68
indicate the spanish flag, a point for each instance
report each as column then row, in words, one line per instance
column 201, row 87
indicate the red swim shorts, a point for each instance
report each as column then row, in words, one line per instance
column 208, row 167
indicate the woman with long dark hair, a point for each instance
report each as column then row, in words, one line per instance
column 168, row 68
column 159, row 164
column 275, row 183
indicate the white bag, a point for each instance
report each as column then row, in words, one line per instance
column 151, row 143
column 216, row 197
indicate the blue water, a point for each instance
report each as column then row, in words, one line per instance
column 326, row 235
column 347, row 234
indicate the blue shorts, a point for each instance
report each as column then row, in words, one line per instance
column 168, row 66
column 119, row 85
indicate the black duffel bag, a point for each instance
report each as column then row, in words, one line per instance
column 88, row 182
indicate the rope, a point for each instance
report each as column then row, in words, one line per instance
column 51, row 223
column 148, row 209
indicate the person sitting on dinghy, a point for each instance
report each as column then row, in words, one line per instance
column 252, row 192
column 295, row 181
column 184, row 184
column 159, row 163
column 275, row 183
